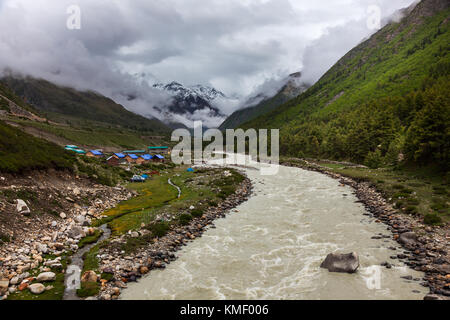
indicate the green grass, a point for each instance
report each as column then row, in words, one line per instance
column 416, row 191
column 90, row 239
column 20, row 152
column 91, row 263
column 200, row 189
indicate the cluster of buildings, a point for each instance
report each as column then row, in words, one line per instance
column 153, row 154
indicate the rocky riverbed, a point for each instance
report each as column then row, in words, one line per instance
column 426, row 247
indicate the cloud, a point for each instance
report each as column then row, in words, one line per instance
column 237, row 46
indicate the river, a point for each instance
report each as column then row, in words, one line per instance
column 272, row 247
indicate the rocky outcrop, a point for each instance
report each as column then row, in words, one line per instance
column 336, row 262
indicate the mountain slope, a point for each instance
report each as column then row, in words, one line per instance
column 62, row 103
column 384, row 100
column 291, row 89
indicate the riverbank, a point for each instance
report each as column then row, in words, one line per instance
column 425, row 246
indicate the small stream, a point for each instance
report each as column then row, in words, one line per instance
column 73, row 272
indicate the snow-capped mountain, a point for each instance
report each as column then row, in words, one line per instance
column 196, row 102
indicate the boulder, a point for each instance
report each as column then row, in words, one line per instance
column 42, row 248
column 4, row 284
column 76, row 232
column 46, row 276
column 62, row 215
column 336, row 262
column 408, row 239
column 36, row 288
column 22, row 208
column 89, row 276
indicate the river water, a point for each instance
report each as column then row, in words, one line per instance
column 273, row 246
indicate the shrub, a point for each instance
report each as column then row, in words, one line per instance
column 374, row 160
column 185, row 219
column 159, row 229
column 197, row 213
column 88, row 289
column 432, row 219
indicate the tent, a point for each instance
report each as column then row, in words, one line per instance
column 190, row 170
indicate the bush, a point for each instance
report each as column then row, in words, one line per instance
column 88, row 289
column 432, row 219
column 4, row 238
column 185, row 219
column 159, row 229
column 374, row 160
column 197, row 213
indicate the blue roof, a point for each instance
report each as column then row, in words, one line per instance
column 96, row 152
column 146, row 157
column 159, row 156
column 133, row 156
column 119, row 155
column 158, row 147
column 70, row 146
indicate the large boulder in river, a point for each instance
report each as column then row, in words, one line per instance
column 336, row 262
column 409, row 239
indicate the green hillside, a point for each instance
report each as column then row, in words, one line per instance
column 62, row 104
column 20, row 151
column 384, row 101
column 290, row 90
column 241, row 116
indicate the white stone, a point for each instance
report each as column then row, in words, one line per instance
column 36, row 288
column 62, row 215
column 46, row 276
column 22, row 207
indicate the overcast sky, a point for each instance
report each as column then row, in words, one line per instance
column 233, row 45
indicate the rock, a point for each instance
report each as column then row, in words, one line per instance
column 22, row 208
column 143, row 270
column 76, row 191
column 134, row 234
column 15, row 280
column 36, row 288
column 23, row 286
column 408, row 238
column 54, row 224
column 336, row 262
column 89, row 276
column 46, row 276
column 4, row 284
column 42, row 248
column 432, row 297
column 76, row 232
column 62, row 215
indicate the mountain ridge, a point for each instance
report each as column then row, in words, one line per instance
column 370, row 103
